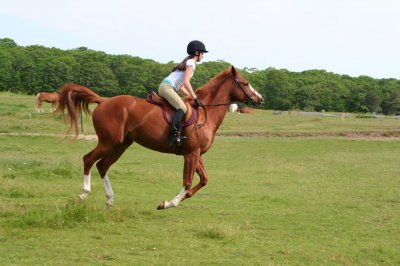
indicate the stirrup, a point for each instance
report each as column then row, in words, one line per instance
column 176, row 139
column 180, row 139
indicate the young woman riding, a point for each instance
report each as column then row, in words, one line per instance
column 179, row 80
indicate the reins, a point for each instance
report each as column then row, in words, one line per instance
column 205, row 112
column 217, row 104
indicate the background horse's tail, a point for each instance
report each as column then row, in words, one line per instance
column 74, row 98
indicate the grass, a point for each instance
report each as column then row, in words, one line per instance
column 269, row 201
column 18, row 115
column 282, row 201
column 267, row 121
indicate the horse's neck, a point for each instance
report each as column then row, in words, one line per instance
column 219, row 95
column 216, row 116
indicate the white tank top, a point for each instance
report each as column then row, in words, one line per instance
column 175, row 79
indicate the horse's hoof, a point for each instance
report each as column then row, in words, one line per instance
column 161, row 206
column 110, row 201
column 82, row 196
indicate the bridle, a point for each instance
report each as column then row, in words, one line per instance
column 239, row 84
column 249, row 96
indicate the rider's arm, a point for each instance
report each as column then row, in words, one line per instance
column 184, row 91
column 186, row 81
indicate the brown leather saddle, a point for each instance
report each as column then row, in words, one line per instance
column 168, row 111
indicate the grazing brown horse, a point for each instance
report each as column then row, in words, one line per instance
column 245, row 110
column 48, row 97
column 121, row 120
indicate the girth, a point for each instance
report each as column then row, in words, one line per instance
column 169, row 111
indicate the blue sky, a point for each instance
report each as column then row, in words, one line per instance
column 353, row 37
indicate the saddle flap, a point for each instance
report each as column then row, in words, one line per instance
column 189, row 118
column 169, row 111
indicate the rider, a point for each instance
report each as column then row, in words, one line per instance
column 179, row 79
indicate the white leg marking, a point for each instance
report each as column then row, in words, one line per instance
column 109, row 191
column 175, row 202
column 86, row 182
column 86, row 187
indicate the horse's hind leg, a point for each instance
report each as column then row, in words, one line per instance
column 88, row 161
column 38, row 106
column 105, row 163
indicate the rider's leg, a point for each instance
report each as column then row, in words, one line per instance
column 174, row 137
column 168, row 93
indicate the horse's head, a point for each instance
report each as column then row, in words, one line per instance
column 243, row 91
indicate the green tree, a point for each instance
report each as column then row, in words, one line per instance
column 6, row 70
column 373, row 101
column 8, row 43
column 37, row 68
column 305, row 98
column 391, row 106
column 278, row 90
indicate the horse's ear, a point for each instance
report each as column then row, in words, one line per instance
column 233, row 71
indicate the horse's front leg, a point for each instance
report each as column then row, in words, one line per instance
column 201, row 171
column 190, row 165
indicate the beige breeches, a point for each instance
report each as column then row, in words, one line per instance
column 169, row 94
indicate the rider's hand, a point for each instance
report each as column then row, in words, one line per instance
column 198, row 103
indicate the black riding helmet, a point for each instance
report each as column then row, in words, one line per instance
column 195, row 46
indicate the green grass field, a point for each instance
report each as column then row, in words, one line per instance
column 18, row 115
column 269, row 200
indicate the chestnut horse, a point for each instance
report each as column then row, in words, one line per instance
column 245, row 110
column 122, row 120
column 48, row 97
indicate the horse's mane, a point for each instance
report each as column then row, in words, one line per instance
column 204, row 90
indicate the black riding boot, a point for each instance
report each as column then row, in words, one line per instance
column 175, row 128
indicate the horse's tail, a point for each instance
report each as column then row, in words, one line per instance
column 72, row 99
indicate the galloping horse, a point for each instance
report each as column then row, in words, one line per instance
column 48, row 97
column 121, row 120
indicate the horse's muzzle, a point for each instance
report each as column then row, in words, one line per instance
column 258, row 102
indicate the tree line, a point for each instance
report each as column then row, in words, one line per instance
column 35, row 68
